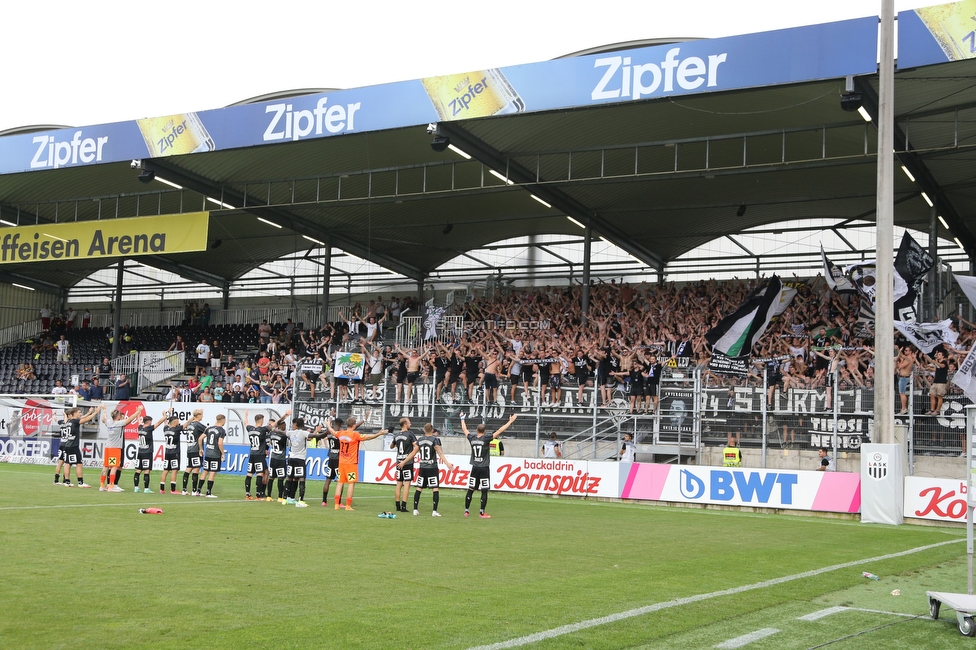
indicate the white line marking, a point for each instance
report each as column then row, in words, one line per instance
column 746, row 639
column 815, row 616
column 656, row 607
column 134, row 504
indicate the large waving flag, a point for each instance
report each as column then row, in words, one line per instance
column 735, row 334
column 834, row 275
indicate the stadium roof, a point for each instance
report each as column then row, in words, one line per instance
column 657, row 177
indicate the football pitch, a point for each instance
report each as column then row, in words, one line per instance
column 83, row 569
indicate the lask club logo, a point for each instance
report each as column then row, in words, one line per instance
column 878, row 465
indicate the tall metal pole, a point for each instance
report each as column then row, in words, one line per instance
column 585, row 304
column 884, row 405
column 931, row 297
column 326, row 278
column 117, row 310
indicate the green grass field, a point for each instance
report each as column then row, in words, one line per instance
column 83, row 569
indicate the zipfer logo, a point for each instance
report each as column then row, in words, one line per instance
column 691, row 486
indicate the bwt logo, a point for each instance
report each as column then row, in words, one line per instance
column 749, row 487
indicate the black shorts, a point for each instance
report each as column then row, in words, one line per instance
column 471, row 377
column 601, row 379
column 211, row 465
column 555, row 381
column 412, row 377
column 277, row 468
column 491, row 380
column 332, row 467
column 70, row 456
column 194, row 462
column 479, row 478
column 544, row 375
column 342, row 381
column 401, row 375
column 171, row 463
column 144, row 463
column 527, row 375
column 405, row 475
column 311, row 377
column 296, row 468
column 428, row 477
column 202, row 363
column 650, row 389
column 514, row 379
column 256, row 464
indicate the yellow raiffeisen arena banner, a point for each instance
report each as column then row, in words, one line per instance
column 81, row 240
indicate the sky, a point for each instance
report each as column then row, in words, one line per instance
column 75, row 64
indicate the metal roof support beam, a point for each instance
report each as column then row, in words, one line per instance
column 561, row 201
column 923, row 177
column 183, row 271
column 282, row 217
column 39, row 285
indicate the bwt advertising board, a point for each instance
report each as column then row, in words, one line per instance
column 739, row 486
column 829, row 51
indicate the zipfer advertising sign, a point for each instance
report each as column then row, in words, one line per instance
column 937, row 34
column 828, row 51
column 157, row 235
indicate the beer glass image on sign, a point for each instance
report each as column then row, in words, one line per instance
column 473, row 94
column 174, row 135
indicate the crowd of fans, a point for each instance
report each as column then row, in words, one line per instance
column 538, row 336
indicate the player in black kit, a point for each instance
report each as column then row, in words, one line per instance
column 171, row 450
column 69, row 451
column 480, row 476
column 193, row 430
column 428, row 450
column 144, row 452
column 405, row 442
column 214, row 437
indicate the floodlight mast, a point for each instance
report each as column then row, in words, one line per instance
column 884, row 405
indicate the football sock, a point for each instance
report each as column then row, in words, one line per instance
column 162, row 487
column 437, row 496
column 57, row 477
column 196, row 482
column 81, row 479
column 260, row 487
column 186, row 479
column 348, row 502
column 301, row 490
column 484, row 500
column 145, row 481
column 396, row 504
column 416, row 500
column 325, row 491
column 467, row 500
column 209, row 487
column 135, row 479
column 101, row 481
column 281, row 487
column 116, row 477
column 172, row 486
column 247, row 485
column 403, row 506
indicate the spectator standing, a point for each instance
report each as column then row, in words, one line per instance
column 203, row 357
column 826, row 462
column 97, row 391
column 69, row 320
column 122, row 386
column 628, row 451
column 551, row 448
column 64, row 350
column 45, row 313
column 731, row 455
column 86, row 319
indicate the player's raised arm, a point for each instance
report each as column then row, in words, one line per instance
column 316, row 435
column 92, row 412
column 505, row 426
column 162, row 418
column 370, row 436
column 464, row 426
column 245, row 419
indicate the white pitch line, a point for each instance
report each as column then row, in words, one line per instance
column 146, row 503
column 746, row 639
column 816, row 616
column 656, row 607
